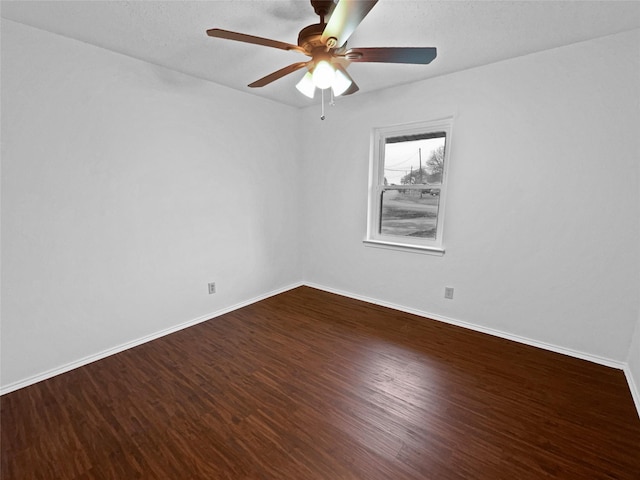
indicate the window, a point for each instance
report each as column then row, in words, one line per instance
column 407, row 191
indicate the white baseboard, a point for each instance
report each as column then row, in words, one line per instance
column 478, row 328
column 635, row 391
column 139, row 341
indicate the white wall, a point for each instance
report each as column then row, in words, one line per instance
column 632, row 370
column 126, row 188
column 542, row 226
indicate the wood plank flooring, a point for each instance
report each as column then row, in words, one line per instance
column 310, row 385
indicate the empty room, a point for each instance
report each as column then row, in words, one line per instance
column 293, row 239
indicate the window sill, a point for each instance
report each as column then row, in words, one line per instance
column 438, row 251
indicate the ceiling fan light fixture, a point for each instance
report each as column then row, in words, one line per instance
column 340, row 83
column 323, row 75
column 326, row 44
column 306, row 85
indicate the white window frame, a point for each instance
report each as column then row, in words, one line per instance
column 376, row 186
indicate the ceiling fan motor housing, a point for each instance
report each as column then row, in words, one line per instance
column 309, row 37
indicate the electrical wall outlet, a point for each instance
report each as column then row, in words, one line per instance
column 448, row 292
column 212, row 288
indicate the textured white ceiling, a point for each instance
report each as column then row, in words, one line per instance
column 466, row 33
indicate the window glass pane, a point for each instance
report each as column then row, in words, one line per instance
column 410, row 212
column 414, row 159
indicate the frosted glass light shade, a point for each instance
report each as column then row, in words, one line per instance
column 306, row 85
column 340, row 83
column 323, row 75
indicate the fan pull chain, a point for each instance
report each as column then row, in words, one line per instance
column 332, row 102
column 322, row 112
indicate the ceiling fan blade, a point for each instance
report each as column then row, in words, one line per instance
column 278, row 74
column 345, row 18
column 352, row 89
column 242, row 37
column 416, row 55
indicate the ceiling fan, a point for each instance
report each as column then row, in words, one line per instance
column 326, row 44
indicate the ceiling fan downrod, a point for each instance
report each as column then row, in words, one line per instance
column 322, row 8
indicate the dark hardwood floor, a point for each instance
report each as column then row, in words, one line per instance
column 310, row 385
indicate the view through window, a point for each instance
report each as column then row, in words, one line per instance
column 411, row 164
